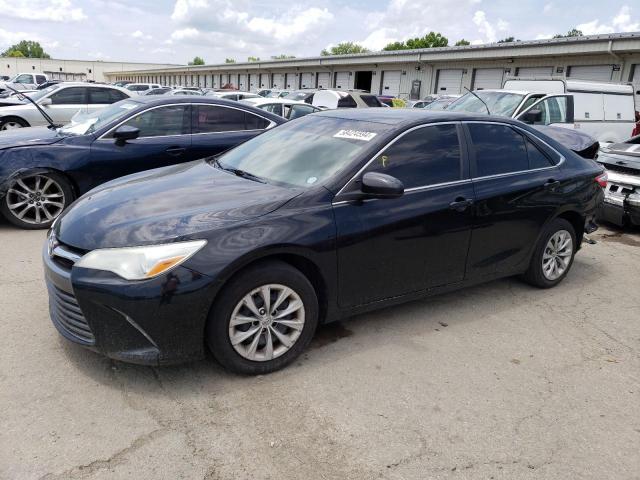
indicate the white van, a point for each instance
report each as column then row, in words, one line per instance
column 606, row 111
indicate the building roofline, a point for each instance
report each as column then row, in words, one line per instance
column 440, row 54
column 88, row 61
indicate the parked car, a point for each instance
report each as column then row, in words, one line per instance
column 141, row 88
column 351, row 99
column 158, row 91
column 28, row 80
column 61, row 102
column 289, row 109
column 38, row 183
column 233, row 95
column 180, row 91
column 622, row 195
column 272, row 92
column 605, row 111
column 334, row 214
column 122, row 83
column 302, row 95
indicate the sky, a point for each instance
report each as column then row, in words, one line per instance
column 174, row 31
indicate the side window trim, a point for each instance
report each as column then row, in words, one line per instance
column 464, row 159
column 535, row 140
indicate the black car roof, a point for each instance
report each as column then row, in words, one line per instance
column 408, row 116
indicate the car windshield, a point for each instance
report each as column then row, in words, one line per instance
column 439, row 104
column 82, row 124
column 499, row 103
column 303, row 153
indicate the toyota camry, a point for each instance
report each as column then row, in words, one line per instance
column 337, row 213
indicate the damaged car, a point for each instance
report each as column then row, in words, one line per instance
column 622, row 196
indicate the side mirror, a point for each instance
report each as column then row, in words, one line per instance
column 124, row 133
column 381, row 185
column 46, row 101
column 532, row 116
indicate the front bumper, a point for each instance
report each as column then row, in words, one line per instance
column 621, row 199
column 150, row 322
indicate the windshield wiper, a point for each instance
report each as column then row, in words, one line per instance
column 238, row 172
column 44, row 114
column 483, row 102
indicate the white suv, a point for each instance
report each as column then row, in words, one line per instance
column 141, row 88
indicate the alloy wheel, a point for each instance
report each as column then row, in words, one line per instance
column 557, row 255
column 10, row 125
column 266, row 322
column 37, row 199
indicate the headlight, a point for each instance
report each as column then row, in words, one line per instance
column 140, row 263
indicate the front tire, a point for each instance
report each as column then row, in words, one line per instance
column 263, row 319
column 11, row 123
column 34, row 201
column 553, row 256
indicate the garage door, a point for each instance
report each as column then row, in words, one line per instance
column 449, row 81
column 292, row 81
column 242, row 82
column 215, row 81
column 308, row 80
column 600, row 73
column 342, row 80
column 251, row 82
column 535, row 72
column 485, row 78
column 391, row 82
column 636, row 84
column 324, row 80
column 278, row 80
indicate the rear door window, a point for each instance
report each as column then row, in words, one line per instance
column 422, row 157
column 40, row 79
column 347, row 102
column 214, row 119
column 498, row 149
column 371, row 100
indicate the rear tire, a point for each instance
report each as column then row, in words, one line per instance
column 553, row 255
column 10, row 123
column 34, row 201
column 256, row 342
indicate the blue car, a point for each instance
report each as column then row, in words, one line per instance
column 44, row 169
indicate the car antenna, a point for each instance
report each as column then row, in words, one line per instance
column 26, row 97
column 483, row 102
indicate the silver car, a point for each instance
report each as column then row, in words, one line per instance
column 61, row 102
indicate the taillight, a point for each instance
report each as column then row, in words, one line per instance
column 602, row 179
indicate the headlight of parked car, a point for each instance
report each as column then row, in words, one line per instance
column 140, row 263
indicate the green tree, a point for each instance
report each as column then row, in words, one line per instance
column 462, row 43
column 197, row 61
column 344, row 48
column 430, row 40
column 28, row 48
column 253, row 59
column 574, row 32
column 282, row 56
column 508, row 40
column 229, row 60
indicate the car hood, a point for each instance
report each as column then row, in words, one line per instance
column 165, row 204
column 28, row 137
column 10, row 102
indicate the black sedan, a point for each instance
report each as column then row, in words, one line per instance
column 334, row 214
column 43, row 169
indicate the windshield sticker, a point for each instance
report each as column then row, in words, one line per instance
column 355, row 135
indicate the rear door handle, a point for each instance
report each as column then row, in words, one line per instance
column 460, row 204
column 175, row 151
column 551, row 184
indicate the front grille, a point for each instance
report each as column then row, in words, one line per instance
column 66, row 256
column 67, row 314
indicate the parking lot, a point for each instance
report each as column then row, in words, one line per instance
column 497, row 381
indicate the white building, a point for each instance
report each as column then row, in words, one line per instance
column 70, row 69
column 614, row 58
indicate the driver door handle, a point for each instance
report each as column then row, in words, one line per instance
column 175, row 151
column 460, row 204
column 551, row 184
